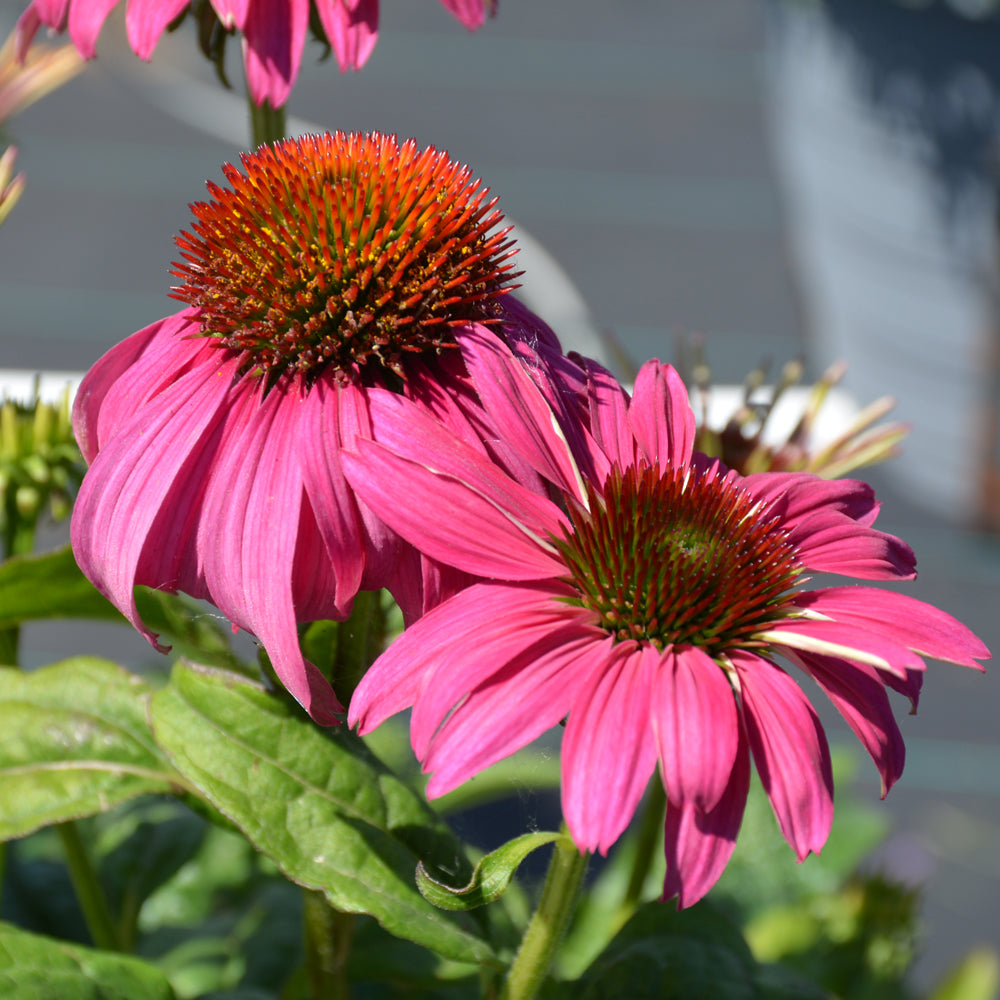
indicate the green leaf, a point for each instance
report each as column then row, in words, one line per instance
column 33, row 967
column 663, row 954
column 48, row 586
column 74, row 741
column 489, row 880
column 315, row 802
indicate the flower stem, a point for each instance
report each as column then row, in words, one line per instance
column 328, row 944
column 649, row 832
column 88, row 889
column 267, row 124
column 548, row 924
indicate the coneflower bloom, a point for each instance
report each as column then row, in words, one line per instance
column 274, row 31
column 646, row 606
column 330, row 266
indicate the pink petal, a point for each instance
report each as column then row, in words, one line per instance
column 790, row 751
column 31, row 20
column 470, row 12
column 450, row 631
column 909, row 687
column 232, row 13
column 528, row 696
column 903, row 619
column 837, row 639
column 859, row 696
column 697, row 844
column 518, row 408
column 351, row 28
column 608, row 750
column 146, row 20
column 273, row 37
column 833, row 543
column 85, row 22
column 801, row 494
column 608, row 403
column 661, row 417
column 696, row 726
column 250, row 533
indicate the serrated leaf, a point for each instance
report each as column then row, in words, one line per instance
column 49, row 585
column 74, row 741
column 33, row 967
column 663, row 954
column 489, row 880
column 313, row 801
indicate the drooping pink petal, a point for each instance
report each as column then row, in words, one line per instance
column 332, row 499
column 232, row 13
column 608, row 750
column 608, row 406
column 909, row 687
column 29, row 23
column 273, row 37
column 661, row 417
column 695, row 722
column 250, row 534
column 517, row 407
column 541, row 626
column 140, row 502
column 697, row 844
column 470, row 12
column 801, row 494
column 790, row 750
column 833, row 543
column 146, row 20
column 450, row 631
column 835, row 638
column 85, row 21
column 901, row 618
column 528, row 696
column 859, row 695
column 351, row 28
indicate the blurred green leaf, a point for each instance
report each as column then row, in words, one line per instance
column 38, row 968
column 976, row 977
column 49, row 586
column 330, row 816
column 74, row 741
column 489, row 879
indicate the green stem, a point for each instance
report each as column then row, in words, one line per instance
column 645, row 850
column 328, row 944
column 548, row 924
column 88, row 889
column 267, row 124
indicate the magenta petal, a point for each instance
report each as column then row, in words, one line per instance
column 351, row 28
column 790, row 750
column 696, row 727
column 608, row 404
column 85, row 22
column 470, row 12
column 661, row 417
column 449, row 632
column 697, row 844
column 250, row 533
column 802, row 494
column 834, row 638
column 146, row 20
column 608, row 750
column 517, row 407
column 273, row 37
column 528, row 696
column 859, row 695
column 903, row 619
column 833, row 543
column 232, row 13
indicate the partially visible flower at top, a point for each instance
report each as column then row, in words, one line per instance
column 647, row 609
column 274, row 31
column 40, row 467
column 330, row 266
column 743, row 442
column 22, row 82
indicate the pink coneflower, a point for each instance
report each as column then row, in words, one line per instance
column 330, row 267
column 274, row 31
column 646, row 608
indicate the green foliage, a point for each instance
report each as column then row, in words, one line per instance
column 315, row 802
column 74, row 742
column 37, row 968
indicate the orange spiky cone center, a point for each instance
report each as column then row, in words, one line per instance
column 343, row 251
column 682, row 558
